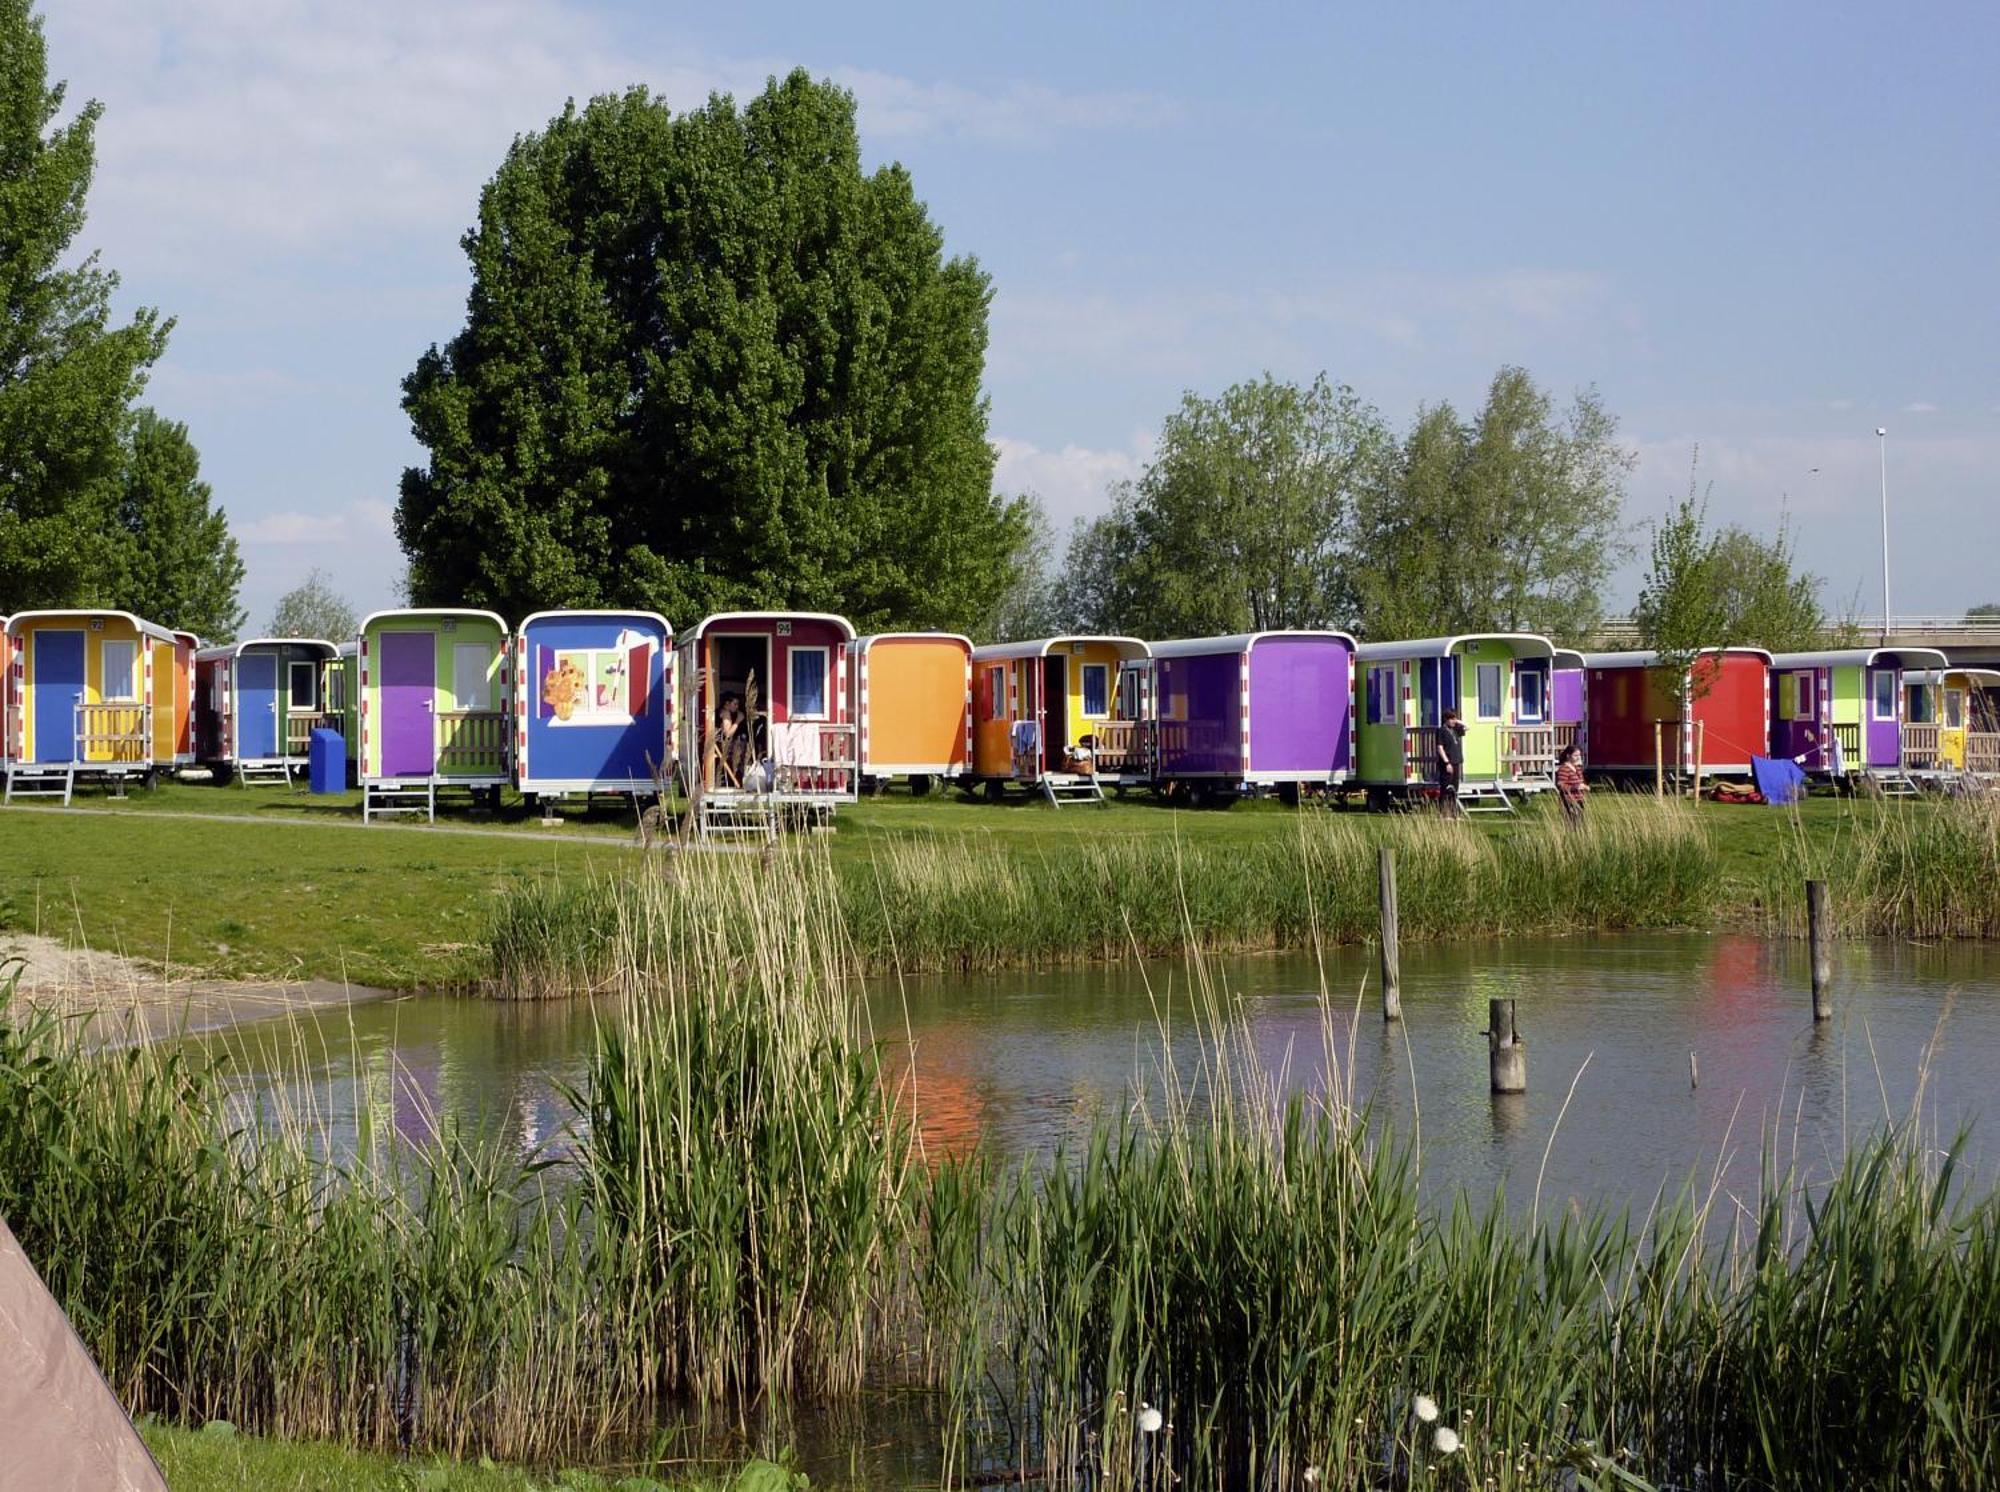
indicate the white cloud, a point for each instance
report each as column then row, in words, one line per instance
column 1920, row 406
column 1071, row 482
column 356, row 526
column 893, row 107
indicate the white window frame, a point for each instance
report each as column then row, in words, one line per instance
column 589, row 713
column 336, row 689
column 1103, row 670
column 128, row 693
column 311, row 706
column 1802, row 709
column 1875, row 679
column 792, row 710
column 1384, row 695
column 1479, row 711
column 996, row 691
column 459, row 650
column 1541, row 710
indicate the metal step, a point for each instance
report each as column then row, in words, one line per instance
column 739, row 818
column 380, row 800
column 41, row 782
column 265, row 774
column 1489, row 797
column 1894, row 783
column 1063, row 787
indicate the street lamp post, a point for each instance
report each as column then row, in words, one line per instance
column 1882, row 442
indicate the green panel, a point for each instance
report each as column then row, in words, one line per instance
column 1847, row 695
column 1482, row 737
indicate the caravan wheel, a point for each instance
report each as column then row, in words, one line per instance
column 920, row 784
column 996, row 790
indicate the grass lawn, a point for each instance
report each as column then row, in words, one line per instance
column 258, row 886
column 206, row 1461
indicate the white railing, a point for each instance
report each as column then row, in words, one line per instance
column 1622, row 632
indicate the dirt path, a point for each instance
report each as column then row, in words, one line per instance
column 132, row 1001
column 625, row 840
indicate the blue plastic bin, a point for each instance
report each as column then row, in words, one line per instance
column 326, row 761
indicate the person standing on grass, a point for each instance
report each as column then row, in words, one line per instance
column 1450, row 763
column 1570, row 786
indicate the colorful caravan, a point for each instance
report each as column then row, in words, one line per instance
column 1499, row 682
column 257, row 705
column 1259, row 709
column 1061, row 716
column 1962, row 707
column 343, row 695
column 595, row 713
column 83, row 699
column 1566, row 686
column 912, row 694
column 1841, row 714
column 789, row 670
column 1709, row 720
column 432, row 689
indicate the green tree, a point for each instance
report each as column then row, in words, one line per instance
column 1681, row 609
column 68, row 375
column 709, row 362
column 1985, row 609
column 1240, row 521
column 1768, row 600
column 1030, row 606
column 1099, row 588
column 313, row 608
column 1511, row 522
column 178, row 561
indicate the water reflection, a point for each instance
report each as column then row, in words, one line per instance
column 1023, row 1063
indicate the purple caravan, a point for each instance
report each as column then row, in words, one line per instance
column 1259, row 709
column 1566, row 674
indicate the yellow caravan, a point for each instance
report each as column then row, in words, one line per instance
column 95, row 694
column 1961, row 708
column 1060, row 715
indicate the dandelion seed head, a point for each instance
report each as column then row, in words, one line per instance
column 1446, row 1440
column 1150, row 1419
column 1425, row 1408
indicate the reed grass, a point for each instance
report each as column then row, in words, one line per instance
column 927, row 903
column 742, row 1217
column 1927, row 869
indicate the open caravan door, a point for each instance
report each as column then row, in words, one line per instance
column 64, row 1427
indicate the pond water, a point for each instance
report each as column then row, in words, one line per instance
column 1022, row 1062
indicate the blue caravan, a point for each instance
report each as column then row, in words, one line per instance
column 594, row 711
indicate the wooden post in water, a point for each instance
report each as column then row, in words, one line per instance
column 1392, row 949
column 1506, row 1053
column 1820, row 938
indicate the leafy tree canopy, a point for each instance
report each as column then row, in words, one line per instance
column 313, row 608
column 1983, row 609
column 178, row 561
column 1508, row 522
column 68, row 376
column 709, row 362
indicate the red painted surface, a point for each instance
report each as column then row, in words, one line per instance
column 1731, row 699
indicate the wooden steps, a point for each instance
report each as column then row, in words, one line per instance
column 1062, row 788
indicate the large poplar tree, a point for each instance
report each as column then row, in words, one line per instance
column 708, row 361
column 68, row 375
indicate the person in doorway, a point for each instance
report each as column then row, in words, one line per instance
column 1570, row 786
column 1450, row 763
column 732, row 737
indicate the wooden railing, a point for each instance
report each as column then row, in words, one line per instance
column 1528, row 750
column 299, row 729
column 1849, row 737
column 813, row 758
column 114, row 733
column 471, row 743
column 1123, row 746
column 1982, row 752
column 1420, row 753
column 1566, row 734
column 1920, row 746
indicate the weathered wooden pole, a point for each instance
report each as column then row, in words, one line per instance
column 1694, row 1070
column 1659, row 760
column 1506, row 1053
column 1820, row 937
column 1392, row 950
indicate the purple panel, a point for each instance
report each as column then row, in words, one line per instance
column 1299, row 707
column 1804, row 741
column 1885, row 737
column 1200, row 724
column 1566, row 697
column 409, row 696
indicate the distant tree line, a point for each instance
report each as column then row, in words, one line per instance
column 101, row 499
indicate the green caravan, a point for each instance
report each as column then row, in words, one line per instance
column 1502, row 685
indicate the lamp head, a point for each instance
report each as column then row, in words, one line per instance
column 1881, row 430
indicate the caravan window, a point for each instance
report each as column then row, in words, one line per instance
column 996, row 691
column 1883, row 682
column 1489, row 691
column 1954, row 709
column 471, row 662
column 1383, row 705
column 1096, row 690
column 808, row 699
column 336, row 689
column 120, row 663
column 1532, row 681
column 303, row 685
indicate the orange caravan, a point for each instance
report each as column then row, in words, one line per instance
column 913, row 707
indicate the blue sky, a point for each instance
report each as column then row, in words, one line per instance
column 1762, row 230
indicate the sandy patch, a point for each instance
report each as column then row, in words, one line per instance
column 132, row 1001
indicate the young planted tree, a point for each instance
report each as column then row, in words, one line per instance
column 179, row 562
column 1509, row 522
column 313, row 608
column 68, row 374
column 708, row 361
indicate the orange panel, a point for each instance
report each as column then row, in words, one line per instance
column 916, row 703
